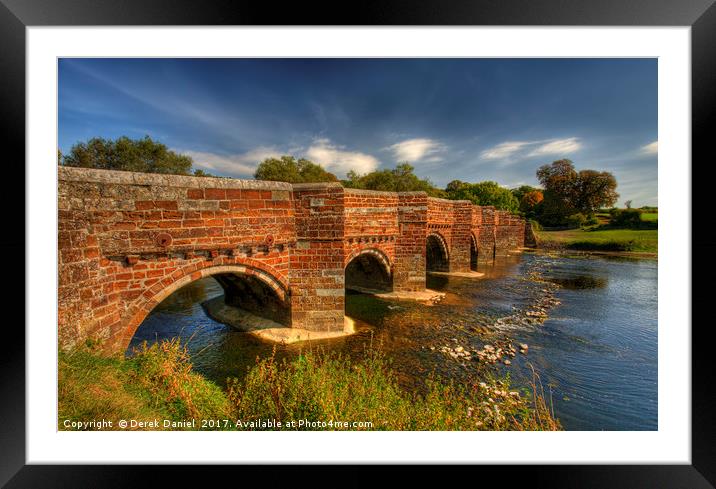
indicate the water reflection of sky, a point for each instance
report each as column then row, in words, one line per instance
column 596, row 354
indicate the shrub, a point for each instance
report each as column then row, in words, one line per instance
column 576, row 220
column 627, row 218
column 591, row 221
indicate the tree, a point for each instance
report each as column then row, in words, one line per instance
column 483, row 193
column 140, row 155
column 559, row 181
column 288, row 169
column 529, row 202
column 399, row 179
column 567, row 192
column 520, row 191
column 628, row 204
column 201, row 173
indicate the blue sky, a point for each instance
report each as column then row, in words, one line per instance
column 466, row 119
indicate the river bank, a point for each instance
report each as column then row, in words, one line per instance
column 156, row 389
column 638, row 242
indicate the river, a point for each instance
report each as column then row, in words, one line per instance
column 595, row 351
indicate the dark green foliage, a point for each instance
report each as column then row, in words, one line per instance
column 400, row 179
column 629, row 219
column 520, row 191
column 139, row 155
column 483, row 193
column 591, row 221
column 288, row 169
column 568, row 192
column 604, row 246
column 576, row 220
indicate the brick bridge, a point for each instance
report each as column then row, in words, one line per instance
column 128, row 240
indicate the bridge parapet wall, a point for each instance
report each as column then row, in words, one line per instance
column 123, row 236
column 126, row 240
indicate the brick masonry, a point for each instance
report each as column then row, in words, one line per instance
column 128, row 240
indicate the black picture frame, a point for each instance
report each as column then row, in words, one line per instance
column 16, row 15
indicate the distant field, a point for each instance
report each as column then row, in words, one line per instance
column 650, row 216
column 603, row 240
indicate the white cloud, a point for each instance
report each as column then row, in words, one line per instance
column 503, row 150
column 651, row 148
column 557, row 147
column 231, row 165
column 336, row 159
column 414, row 150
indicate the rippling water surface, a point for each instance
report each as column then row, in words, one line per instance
column 596, row 353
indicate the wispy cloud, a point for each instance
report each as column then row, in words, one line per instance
column 651, row 148
column 414, row 150
column 557, row 147
column 509, row 149
column 337, row 160
column 243, row 164
column 503, row 150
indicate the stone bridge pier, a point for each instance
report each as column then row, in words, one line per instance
column 126, row 241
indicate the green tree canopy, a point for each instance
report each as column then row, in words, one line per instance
column 140, row 155
column 399, row 179
column 483, row 193
column 520, row 191
column 567, row 191
column 288, row 169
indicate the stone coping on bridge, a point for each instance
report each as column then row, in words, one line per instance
column 379, row 193
column 450, row 201
column 92, row 175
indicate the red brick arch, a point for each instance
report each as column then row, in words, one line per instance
column 376, row 253
column 474, row 242
column 442, row 242
column 141, row 307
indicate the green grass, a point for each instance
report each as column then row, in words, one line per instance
column 637, row 240
column 157, row 383
column 650, row 216
column 321, row 387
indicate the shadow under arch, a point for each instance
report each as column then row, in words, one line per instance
column 243, row 284
column 368, row 269
column 474, row 252
column 436, row 253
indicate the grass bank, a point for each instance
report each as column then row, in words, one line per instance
column 633, row 240
column 314, row 389
column 157, row 383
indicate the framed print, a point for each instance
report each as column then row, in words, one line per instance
column 417, row 238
